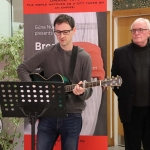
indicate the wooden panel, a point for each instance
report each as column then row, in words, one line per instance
column 110, row 140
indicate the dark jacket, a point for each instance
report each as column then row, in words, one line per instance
column 123, row 65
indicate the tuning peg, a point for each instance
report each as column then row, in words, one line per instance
column 117, row 87
column 112, row 77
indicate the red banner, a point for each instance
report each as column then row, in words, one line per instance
column 56, row 6
column 85, row 143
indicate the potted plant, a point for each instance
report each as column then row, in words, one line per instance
column 11, row 54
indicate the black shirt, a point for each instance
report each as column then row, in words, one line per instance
column 142, row 64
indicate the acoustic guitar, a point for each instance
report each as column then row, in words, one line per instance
column 114, row 81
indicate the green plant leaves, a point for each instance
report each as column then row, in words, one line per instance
column 11, row 54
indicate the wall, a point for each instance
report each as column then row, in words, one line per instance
column 5, row 15
column 130, row 4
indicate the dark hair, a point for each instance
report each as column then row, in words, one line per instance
column 65, row 18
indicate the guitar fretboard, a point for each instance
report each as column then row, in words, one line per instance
column 69, row 88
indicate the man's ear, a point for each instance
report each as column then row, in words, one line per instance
column 74, row 29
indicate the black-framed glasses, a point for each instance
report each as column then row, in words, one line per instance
column 65, row 32
column 140, row 30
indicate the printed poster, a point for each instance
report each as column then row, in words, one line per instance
column 90, row 21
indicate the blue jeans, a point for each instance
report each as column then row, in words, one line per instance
column 68, row 128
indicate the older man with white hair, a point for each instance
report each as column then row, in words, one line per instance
column 132, row 63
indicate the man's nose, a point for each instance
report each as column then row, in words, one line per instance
column 136, row 32
column 61, row 34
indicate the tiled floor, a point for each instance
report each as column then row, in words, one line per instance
column 116, row 148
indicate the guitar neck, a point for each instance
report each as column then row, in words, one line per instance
column 69, row 88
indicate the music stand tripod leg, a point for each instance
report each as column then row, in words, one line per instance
column 33, row 121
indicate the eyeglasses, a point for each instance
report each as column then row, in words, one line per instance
column 65, row 32
column 140, row 30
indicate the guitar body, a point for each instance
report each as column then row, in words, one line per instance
column 57, row 78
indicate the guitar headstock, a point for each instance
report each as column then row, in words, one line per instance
column 114, row 81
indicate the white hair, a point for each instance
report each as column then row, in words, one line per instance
column 142, row 19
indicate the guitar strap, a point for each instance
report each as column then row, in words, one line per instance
column 73, row 60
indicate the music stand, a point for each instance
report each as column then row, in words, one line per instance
column 32, row 100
